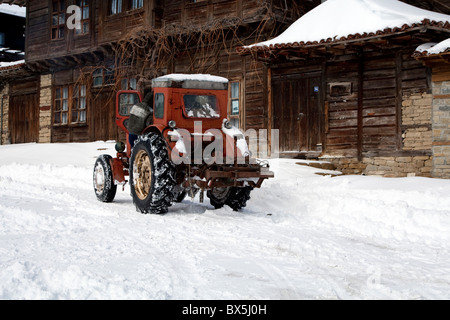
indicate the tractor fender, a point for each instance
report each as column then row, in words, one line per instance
column 155, row 128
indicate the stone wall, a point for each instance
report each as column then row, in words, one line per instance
column 5, row 135
column 416, row 121
column 441, row 129
column 45, row 109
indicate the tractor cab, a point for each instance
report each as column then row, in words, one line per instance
column 178, row 101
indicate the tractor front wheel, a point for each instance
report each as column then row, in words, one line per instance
column 104, row 186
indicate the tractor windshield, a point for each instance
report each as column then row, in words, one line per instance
column 198, row 106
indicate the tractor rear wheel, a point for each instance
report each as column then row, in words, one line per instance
column 104, row 186
column 238, row 197
column 218, row 196
column 152, row 175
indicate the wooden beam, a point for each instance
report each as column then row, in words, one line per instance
column 269, row 111
column 360, row 104
column 399, row 99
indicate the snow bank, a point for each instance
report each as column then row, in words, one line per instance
column 302, row 236
column 335, row 19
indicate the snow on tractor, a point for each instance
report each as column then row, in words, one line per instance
column 179, row 143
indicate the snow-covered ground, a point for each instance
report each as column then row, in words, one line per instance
column 302, row 236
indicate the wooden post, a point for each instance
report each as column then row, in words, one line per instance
column 399, row 99
column 269, row 112
column 360, row 103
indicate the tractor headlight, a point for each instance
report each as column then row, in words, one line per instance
column 172, row 124
column 227, row 124
column 120, row 147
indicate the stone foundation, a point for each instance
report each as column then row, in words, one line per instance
column 389, row 167
column 5, row 134
column 45, row 109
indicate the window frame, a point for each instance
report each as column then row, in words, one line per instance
column 106, row 75
column 158, row 113
column 131, row 83
column 77, row 106
column 84, row 4
column 232, row 117
column 115, row 7
column 136, row 4
column 69, row 106
column 60, row 26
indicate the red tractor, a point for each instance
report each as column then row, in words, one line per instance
column 179, row 143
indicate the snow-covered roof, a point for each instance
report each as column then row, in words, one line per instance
column 341, row 20
column 192, row 77
column 432, row 48
column 13, row 10
column 11, row 64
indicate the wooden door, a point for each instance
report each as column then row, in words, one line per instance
column 298, row 113
column 24, row 118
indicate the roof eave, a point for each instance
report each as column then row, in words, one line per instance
column 388, row 32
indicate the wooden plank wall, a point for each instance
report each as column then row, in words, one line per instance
column 371, row 124
column 342, row 130
column 38, row 30
column 200, row 13
column 104, row 28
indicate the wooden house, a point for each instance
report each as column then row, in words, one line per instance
column 360, row 99
column 76, row 69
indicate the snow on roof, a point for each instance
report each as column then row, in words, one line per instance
column 431, row 48
column 11, row 64
column 191, row 81
column 336, row 20
column 13, row 10
column 192, row 77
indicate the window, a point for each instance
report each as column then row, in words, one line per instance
column 102, row 77
column 58, row 19
column 84, row 6
column 129, row 84
column 159, row 106
column 79, row 104
column 70, row 105
column 136, row 4
column 235, row 104
column 116, row 6
column 197, row 106
column 61, row 106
